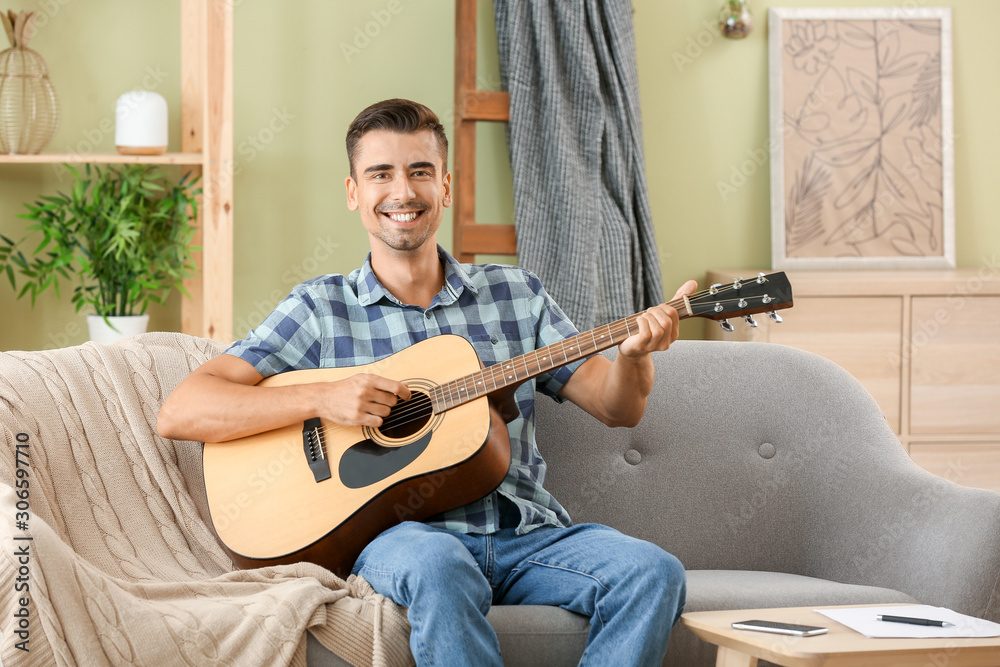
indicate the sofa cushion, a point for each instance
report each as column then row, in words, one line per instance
column 528, row 635
column 709, row 590
column 536, row 635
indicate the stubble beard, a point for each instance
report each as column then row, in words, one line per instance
column 402, row 240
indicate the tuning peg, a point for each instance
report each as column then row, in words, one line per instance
column 726, row 326
column 775, row 317
column 750, row 320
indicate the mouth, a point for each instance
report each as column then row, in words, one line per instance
column 403, row 217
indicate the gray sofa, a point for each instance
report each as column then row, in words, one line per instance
column 768, row 471
column 773, row 476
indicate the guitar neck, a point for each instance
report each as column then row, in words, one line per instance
column 526, row 366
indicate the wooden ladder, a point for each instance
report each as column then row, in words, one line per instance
column 471, row 106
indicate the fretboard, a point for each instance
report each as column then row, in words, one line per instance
column 514, row 371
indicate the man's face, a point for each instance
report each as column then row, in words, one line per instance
column 401, row 188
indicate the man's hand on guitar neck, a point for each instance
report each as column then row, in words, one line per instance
column 615, row 393
column 658, row 327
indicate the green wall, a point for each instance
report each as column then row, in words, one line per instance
column 304, row 68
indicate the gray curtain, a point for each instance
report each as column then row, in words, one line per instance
column 575, row 137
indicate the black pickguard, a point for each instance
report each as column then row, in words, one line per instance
column 367, row 462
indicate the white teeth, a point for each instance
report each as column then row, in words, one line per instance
column 403, row 217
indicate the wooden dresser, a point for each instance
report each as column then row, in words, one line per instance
column 926, row 344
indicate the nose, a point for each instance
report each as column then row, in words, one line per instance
column 401, row 189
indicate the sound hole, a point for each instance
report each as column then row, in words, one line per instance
column 407, row 417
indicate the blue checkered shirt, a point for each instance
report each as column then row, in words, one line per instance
column 334, row 321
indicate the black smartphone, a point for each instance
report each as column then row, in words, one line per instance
column 781, row 628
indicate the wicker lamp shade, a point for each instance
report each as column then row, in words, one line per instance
column 29, row 111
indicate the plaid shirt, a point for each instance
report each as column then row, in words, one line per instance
column 333, row 321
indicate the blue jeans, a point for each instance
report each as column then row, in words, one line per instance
column 633, row 591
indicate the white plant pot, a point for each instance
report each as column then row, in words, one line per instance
column 122, row 326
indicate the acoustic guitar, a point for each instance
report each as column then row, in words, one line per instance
column 319, row 491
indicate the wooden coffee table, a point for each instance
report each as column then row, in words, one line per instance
column 839, row 647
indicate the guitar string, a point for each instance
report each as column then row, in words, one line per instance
column 419, row 405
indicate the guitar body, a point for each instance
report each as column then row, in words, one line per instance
column 321, row 491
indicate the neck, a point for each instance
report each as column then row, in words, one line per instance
column 513, row 372
column 414, row 277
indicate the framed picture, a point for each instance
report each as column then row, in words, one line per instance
column 862, row 169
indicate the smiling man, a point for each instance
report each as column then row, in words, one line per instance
column 516, row 545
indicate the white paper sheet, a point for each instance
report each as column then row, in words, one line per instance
column 863, row 620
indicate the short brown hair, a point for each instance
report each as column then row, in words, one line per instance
column 396, row 115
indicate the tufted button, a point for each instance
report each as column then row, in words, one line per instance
column 632, row 456
column 766, row 450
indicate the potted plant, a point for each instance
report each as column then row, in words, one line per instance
column 124, row 232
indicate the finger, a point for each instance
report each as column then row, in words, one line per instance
column 397, row 389
column 687, row 289
column 387, row 386
column 661, row 327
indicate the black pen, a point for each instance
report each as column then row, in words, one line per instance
column 914, row 621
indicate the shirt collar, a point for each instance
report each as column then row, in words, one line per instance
column 456, row 279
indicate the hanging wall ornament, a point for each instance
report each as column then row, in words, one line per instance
column 29, row 111
column 735, row 20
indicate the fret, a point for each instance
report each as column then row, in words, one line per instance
column 564, row 350
column 450, row 396
column 476, row 385
column 538, row 362
column 545, row 361
column 509, row 372
column 524, row 362
column 463, row 389
column 493, row 376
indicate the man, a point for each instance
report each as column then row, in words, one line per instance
column 517, row 545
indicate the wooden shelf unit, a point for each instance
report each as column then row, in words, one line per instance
column 926, row 345
column 194, row 159
column 207, row 147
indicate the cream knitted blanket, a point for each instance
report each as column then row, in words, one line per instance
column 113, row 561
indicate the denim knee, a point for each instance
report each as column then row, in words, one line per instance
column 668, row 578
column 434, row 564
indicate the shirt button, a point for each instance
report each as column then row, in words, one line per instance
column 427, row 314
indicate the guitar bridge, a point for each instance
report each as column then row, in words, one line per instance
column 315, row 449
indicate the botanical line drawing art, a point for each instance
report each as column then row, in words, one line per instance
column 861, row 123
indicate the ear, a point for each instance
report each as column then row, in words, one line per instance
column 352, row 194
column 446, row 200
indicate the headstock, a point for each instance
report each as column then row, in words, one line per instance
column 743, row 298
